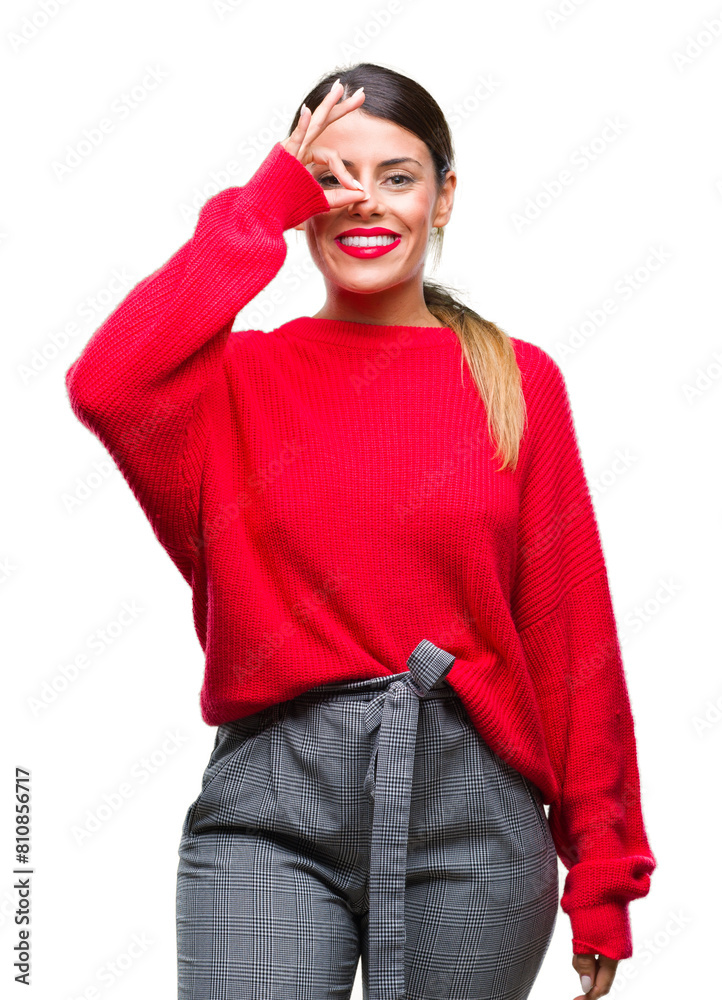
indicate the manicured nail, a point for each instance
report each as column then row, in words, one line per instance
column 586, row 984
column 304, row 109
column 357, row 92
column 358, row 184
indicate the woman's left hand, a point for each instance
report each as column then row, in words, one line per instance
column 601, row 972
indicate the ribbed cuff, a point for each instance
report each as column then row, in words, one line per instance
column 603, row 929
column 283, row 189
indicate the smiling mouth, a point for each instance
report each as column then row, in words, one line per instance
column 373, row 239
column 365, row 247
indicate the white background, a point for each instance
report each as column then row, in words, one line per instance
column 645, row 384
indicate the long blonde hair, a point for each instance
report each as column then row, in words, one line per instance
column 486, row 348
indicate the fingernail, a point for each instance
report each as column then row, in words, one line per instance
column 586, row 984
column 357, row 92
column 359, row 185
column 304, row 109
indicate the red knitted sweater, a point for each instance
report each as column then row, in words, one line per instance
column 328, row 491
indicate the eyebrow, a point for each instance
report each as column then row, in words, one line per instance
column 388, row 163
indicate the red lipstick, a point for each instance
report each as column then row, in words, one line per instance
column 366, row 252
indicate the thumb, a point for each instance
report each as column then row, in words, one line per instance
column 586, row 966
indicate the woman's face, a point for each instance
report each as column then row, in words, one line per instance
column 400, row 197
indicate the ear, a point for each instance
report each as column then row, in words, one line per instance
column 446, row 200
column 301, row 226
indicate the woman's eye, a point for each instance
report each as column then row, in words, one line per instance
column 332, row 177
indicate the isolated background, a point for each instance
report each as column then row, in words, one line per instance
column 526, row 86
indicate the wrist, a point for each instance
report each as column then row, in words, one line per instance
column 283, row 190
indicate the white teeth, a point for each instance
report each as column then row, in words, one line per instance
column 367, row 241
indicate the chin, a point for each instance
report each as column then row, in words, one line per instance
column 364, row 287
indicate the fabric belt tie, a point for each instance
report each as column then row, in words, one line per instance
column 395, row 713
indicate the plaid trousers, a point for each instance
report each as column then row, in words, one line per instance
column 364, row 820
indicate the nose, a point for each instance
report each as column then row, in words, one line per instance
column 372, row 204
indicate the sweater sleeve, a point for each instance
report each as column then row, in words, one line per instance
column 138, row 382
column 566, row 622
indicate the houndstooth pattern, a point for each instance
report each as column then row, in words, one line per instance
column 369, row 820
column 388, row 781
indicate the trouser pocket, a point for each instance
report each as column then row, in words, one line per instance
column 232, row 739
column 538, row 803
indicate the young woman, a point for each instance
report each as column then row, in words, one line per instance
column 398, row 584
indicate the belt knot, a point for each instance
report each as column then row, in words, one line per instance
column 427, row 664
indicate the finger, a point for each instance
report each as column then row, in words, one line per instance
column 349, row 104
column 602, row 986
column 332, row 159
column 318, row 117
column 337, row 199
column 585, row 966
column 604, row 978
column 326, row 113
column 602, row 982
column 292, row 143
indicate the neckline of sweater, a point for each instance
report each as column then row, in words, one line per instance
column 364, row 335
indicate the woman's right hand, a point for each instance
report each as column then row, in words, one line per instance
column 301, row 143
